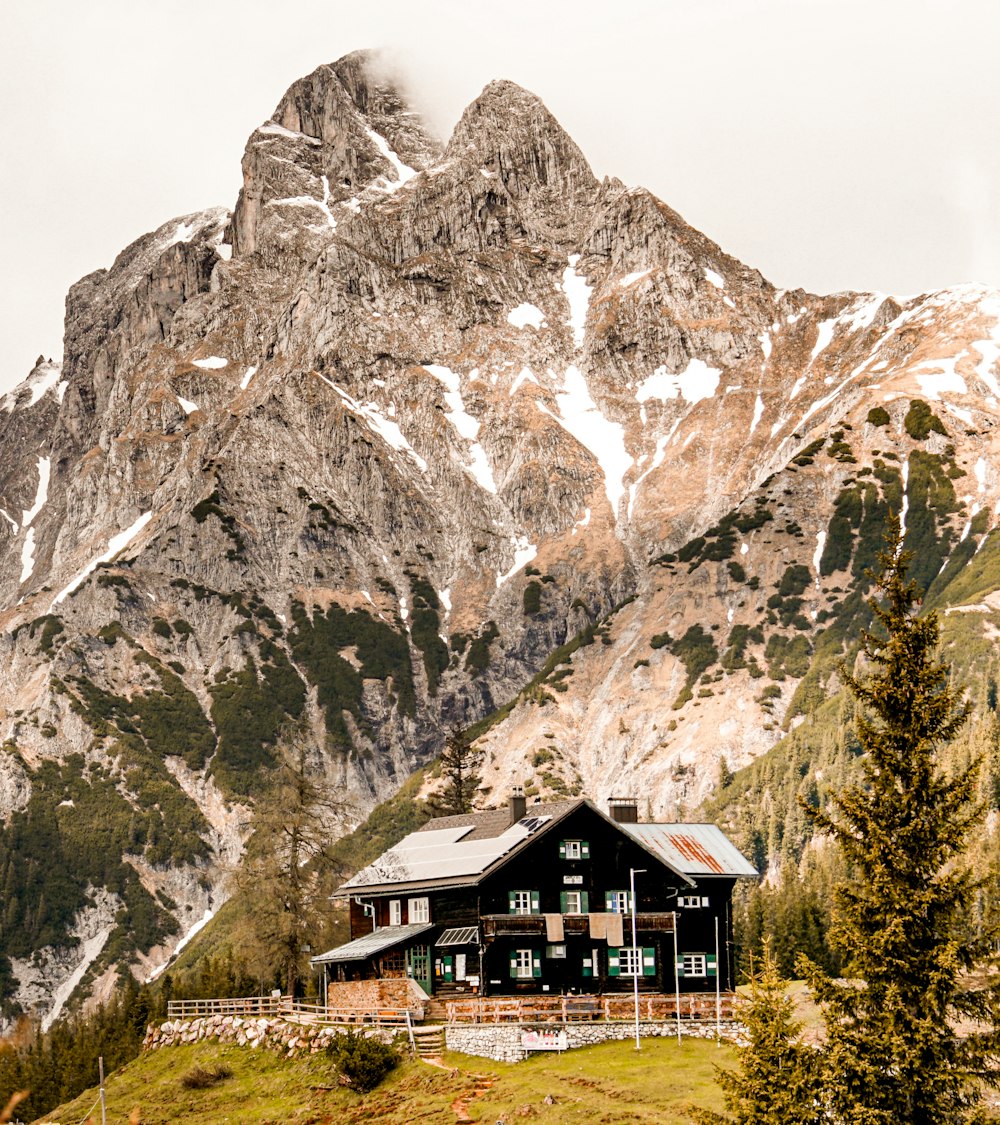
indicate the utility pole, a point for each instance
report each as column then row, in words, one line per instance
column 636, row 955
column 104, row 1107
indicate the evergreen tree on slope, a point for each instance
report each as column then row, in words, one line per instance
column 776, row 1082
column 895, row 1052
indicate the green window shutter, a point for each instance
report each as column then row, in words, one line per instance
column 562, row 849
column 584, row 902
column 712, row 965
column 609, row 900
column 510, row 902
column 536, row 964
column 535, row 901
column 449, row 967
column 584, row 850
column 680, row 966
column 648, row 961
column 562, row 902
column 614, row 956
column 513, row 966
column 588, row 967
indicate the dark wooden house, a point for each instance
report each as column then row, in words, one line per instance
column 537, row 899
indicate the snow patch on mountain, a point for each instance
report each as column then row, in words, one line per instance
column 41, row 492
column 211, row 362
column 404, row 172
column 44, row 377
column 758, row 412
column 580, row 416
column 578, row 295
column 696, row 382
column 465, row 424
column 28, row 555
column 116, row 545
column 388, row 431
column 524, row 553
column 525, row 314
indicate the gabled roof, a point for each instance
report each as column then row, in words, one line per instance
column 459, row 851
column 456, row 850
column 694, row 849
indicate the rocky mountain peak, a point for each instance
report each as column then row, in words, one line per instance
column 508, row 133
column 335, row 133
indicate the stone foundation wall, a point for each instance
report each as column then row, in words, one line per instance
column 287, row 1039
column 502, row 1042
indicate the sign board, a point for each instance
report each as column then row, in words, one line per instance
column 573, row 880
column 544, row 1040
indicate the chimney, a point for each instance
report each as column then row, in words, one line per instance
column 518, row 804
column 624, row 810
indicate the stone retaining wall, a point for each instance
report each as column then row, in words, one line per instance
column 276, row 1035
column 502, row 1042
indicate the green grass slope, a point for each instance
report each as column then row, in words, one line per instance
column 610, row 1083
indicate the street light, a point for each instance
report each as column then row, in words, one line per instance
column 636, row 955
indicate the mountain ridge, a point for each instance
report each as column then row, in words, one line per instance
column 375, row 449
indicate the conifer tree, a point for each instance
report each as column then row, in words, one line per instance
column 893, row 1052
column 460, row 761
column 287, row 859
column 776, row 1082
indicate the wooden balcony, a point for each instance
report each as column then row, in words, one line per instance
column 659, row 1007
column 533, row 925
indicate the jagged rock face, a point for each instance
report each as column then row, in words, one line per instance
column 369, row 449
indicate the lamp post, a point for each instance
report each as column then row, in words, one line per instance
column 636, row 956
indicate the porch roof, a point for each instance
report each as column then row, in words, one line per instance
column 360, row 949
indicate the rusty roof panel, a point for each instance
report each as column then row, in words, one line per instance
column 694, row 849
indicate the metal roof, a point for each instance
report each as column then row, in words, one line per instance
column 694, row 849
column 378, row 940
column 459, row 935
column 442, row 853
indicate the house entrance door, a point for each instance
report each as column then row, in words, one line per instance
column 418, row 966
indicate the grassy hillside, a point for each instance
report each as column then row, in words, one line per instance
column 608, row 1083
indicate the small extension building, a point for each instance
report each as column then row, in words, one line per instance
column 536, row 900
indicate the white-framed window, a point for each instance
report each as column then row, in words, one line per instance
column 692, row 901
column 693, row 965
column 523, row 902
column 630, row 961
column 395, row 912
column 616, row 902
column 418, row 910
column 522, row 963
column 573, row 902
column 574, row 849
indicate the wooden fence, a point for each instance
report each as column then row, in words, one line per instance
column 573, row 1009
column 293, row 1011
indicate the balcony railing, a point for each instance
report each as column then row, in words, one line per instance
column 502, row 925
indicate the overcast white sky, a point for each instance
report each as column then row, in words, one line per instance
column 832, row 144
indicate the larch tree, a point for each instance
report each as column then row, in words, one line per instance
column 284, row 875
column 911, row 1032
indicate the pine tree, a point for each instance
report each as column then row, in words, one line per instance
column 893, row 1053
column 460, row 761
column 776, row 1082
